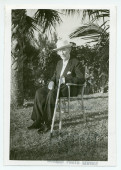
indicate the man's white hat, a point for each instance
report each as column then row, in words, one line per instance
column 62, row 44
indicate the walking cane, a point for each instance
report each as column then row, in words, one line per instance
column 58, row 90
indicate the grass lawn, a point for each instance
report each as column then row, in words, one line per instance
column 79, row 141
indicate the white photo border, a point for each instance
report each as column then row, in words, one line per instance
column 112, row 87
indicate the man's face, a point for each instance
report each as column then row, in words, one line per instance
column 64, row 53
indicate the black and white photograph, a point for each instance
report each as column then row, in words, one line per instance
column 60, row 85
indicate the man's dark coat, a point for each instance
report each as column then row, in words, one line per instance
column 73, row 73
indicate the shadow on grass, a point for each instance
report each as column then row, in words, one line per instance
column 78, row 119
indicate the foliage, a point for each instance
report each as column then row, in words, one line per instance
column 47, row 19
column 39, row 65
column 90, row 31
column 46, row 59
column 71, row 12
column 98, row 64
column 95, row 14
column 23, row 28
column 28, row 70
column 96, row 67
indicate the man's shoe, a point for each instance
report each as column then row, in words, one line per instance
column 33, row 126
column 48, row 128
column 41, row 129
column 44, row 129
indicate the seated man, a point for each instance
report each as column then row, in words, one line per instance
column 68, row 71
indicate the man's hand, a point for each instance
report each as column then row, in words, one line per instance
column 62, row 80
column 51, row 85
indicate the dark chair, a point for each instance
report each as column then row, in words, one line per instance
column 68, row 99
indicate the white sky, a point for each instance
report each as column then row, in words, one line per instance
column 70, row 23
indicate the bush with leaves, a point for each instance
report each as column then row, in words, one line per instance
column 39, row 65
column 96, row 63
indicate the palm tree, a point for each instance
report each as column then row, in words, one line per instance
column 23, row 27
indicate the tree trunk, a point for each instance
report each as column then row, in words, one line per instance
column 16, row 76
column 16, row 87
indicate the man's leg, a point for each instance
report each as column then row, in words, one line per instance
column 49, row 106
column 38, row 108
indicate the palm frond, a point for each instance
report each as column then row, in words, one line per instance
column 25, row 24
column 95, row 14
column 90, row 37
column 71, row 11
column 86, row 30
column 31, row 23
column 47, row 18
column 93, row 41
